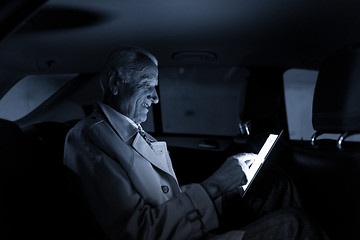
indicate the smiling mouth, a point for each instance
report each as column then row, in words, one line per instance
column 145, row 105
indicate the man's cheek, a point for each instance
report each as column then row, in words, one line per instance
column 140, row 95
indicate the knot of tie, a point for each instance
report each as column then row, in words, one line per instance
column 143, row 134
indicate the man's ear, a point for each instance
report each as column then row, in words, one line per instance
column 113, row 82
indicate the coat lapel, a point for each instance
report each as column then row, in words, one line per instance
column 142, row 147
column 126, row 131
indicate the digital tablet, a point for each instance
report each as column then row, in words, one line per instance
column 261, row 158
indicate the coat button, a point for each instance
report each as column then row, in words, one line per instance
column 165, row 189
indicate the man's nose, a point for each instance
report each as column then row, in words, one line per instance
column 153, row 96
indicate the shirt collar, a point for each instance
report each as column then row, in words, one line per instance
column 124, row 126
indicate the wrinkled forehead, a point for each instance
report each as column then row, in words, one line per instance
column 148, row 74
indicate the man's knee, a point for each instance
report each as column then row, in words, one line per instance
column 294, row 221
column 282, row 224
column 298, row 225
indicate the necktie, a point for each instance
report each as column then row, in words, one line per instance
column 143, row 134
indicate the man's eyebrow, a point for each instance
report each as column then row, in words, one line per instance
column 145, row 76
column 148, row 80
column 144, row 79
column 149, row 75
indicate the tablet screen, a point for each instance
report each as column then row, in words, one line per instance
column 260, row 159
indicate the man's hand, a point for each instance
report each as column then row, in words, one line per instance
column 245, row 161
column 230, row 175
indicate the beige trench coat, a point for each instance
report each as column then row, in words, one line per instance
column 132, row 193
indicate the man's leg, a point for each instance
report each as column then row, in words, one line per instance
column 273, row 191
column 283, row 224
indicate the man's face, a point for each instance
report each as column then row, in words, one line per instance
column 136, row 98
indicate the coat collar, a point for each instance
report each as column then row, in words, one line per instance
column 123, row 125
column 127, row 129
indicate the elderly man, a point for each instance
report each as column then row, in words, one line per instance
column 127, row 176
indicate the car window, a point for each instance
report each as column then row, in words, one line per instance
column 201, row 100
column 29, row 92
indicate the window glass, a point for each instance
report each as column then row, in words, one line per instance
column 299, row 85
column 202, row 100
column 29, row 92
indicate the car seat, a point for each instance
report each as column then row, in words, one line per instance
column 327, row 169
column 14, row 171
column 59, row 200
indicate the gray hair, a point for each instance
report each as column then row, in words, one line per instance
column 123, row 62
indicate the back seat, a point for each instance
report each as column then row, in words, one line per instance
column 15, row 184
column 327, row 170
column 44, row 201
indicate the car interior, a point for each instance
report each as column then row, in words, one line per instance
column 230, row 73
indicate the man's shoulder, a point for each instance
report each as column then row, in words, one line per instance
column 88, row 125
column 97, row 135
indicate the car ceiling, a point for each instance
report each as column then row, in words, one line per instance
column 75, row 36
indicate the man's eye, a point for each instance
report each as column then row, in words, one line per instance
column 143, row 86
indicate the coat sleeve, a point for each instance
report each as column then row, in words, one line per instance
column 122, row 212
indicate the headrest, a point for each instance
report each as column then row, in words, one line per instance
column 336, row 104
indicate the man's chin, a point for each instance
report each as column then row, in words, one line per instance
column 140, row 119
